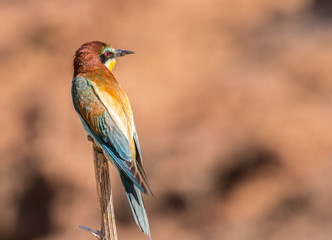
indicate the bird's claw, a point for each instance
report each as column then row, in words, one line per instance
column 99, row 150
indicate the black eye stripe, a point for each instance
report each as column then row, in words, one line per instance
column 107, row 55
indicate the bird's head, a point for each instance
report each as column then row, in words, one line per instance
column 95, row 55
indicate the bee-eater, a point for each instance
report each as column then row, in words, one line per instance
column 107, row 117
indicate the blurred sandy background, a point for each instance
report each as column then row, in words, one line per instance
column 232, row 102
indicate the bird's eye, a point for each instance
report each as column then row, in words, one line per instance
column 108, row 54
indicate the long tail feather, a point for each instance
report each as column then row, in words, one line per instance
column 136, row 203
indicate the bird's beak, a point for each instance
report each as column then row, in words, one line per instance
column 120, row 53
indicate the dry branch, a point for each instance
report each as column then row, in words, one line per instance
column 108, row 225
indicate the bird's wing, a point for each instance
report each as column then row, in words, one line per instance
column 140, row 159
column 98, row 118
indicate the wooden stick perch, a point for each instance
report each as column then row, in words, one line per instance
column 108, row 225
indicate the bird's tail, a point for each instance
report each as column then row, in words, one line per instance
column 136, row 203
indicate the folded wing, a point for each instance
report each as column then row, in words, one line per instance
column 101, row 121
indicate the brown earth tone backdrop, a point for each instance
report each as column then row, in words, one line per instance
column 232, row 102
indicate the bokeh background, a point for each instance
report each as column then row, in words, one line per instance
column 232, row 102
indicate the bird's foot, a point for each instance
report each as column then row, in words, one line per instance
column 99, row 150
column 96, row 148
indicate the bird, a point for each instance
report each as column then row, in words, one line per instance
column 106, row 114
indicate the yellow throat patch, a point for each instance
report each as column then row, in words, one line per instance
column 110, row 63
